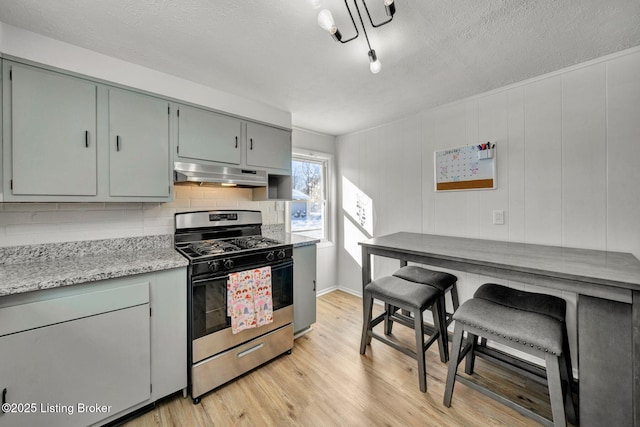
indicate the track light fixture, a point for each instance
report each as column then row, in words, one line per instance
column 325, row 20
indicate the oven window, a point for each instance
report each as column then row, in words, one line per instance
column 209, row 310
column 210, row 307
column 282, row 285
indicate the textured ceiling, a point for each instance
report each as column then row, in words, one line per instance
column 273, row 51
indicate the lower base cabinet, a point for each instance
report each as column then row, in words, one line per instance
column 88, row 354
column 304, row 287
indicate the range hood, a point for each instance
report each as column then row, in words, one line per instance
column 197, row 172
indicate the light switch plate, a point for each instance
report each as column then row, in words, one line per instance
column 498, row 217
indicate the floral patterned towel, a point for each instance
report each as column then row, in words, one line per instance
column 249, row 299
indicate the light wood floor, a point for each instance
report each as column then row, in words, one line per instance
column 326, row 382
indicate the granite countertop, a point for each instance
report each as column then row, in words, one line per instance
column 296, row 240
column 45, row 266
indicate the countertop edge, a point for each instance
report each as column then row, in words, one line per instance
column 42, row 274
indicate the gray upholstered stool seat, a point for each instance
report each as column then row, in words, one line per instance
column 445, row 283
column 403, row 292
column 522, row 300
column 397, row 293
column 548, row 305
column 519, row 322
column 521, row 328
column 438, row 279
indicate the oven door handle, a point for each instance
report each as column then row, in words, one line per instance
column 282, row 265
column 249, row 350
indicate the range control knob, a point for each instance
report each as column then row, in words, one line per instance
column 271, row 256
column 214, row 266
column 281, row 254
column 228, row 264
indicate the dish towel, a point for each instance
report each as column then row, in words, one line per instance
column 249, row 299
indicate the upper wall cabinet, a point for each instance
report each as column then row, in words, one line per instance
column 204, row 135
column 53, row 134
column 72, row 139
column 138, row 145
column 207, row 136
column 268, row 147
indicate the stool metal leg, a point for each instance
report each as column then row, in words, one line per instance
column 555, row 390
column 569, row 406
column 419, row 330
column 443, row 342
column 388, row 323
column 453, row 364
column 470, row 362
column 366, row 326
column 454, row 297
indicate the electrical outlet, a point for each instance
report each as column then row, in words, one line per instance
column 498, row 217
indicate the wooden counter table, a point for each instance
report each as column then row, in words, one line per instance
column 608, row 289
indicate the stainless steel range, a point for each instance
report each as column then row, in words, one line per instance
column 217, row 244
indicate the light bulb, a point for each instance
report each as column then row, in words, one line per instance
column 375, row 66
column 388, row 2
column 374, row 63
column 325, row 20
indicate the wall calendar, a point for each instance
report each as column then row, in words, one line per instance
column 472, row 167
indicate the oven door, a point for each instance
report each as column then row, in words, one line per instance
column 209, row 304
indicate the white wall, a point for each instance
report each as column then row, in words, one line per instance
column 568, row 149
column 326, row 277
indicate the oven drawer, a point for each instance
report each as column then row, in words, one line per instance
column 219, row 341
column 224, row 367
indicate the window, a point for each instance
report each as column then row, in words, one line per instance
column 308, row 208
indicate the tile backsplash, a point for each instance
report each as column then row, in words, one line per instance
column 30, row 223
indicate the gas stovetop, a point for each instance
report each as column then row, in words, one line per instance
column 214, row 247
column 226, row 241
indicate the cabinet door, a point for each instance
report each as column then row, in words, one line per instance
column 53, row 138
column 100, row 360
column 304, row 287
column 205, row 135
column 169, row 332
column 138, row 145
column 268, row 147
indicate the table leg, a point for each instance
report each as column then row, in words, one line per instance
column 605, row 362
column 366, row 276
column 635, row 319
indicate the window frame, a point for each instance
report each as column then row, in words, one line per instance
column 326, row 160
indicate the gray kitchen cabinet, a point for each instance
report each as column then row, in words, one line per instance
column 304, row 287
column 117, row 342
column 73, row 360
column 138, row 145
column 268, row 147
column 70, row 139
column 53, row 129
column 205, row 135
column 168, row 332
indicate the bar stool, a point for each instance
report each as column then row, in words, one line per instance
column 532, row 323
column 397, row 293
column 445, row 283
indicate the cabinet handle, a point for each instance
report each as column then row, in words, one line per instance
column 251, row 144
column 117, row 142
column 86, row 138
column 236, row 142
column 314, row 286
column 4, row 399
